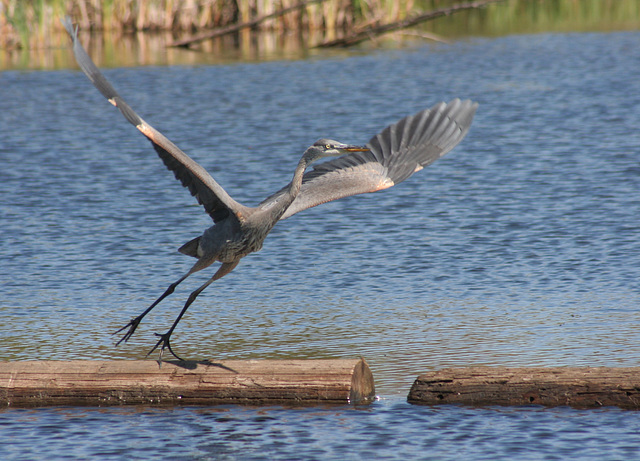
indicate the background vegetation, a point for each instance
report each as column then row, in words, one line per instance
column 30, row 23
column 137, row 32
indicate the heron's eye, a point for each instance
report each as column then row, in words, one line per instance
column 328, row 146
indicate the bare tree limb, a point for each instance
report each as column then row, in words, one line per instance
column 186, row 42
column 361, row 36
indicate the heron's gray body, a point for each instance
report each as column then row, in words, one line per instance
column 231, row 239
column 244, row 230
column 227, row 241
column 389, row 158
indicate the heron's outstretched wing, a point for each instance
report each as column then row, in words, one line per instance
column 202, row 186
column 396, row 153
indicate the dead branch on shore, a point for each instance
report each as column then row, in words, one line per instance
column 186, row 42
column 373, row 32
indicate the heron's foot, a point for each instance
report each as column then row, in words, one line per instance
column 132, row 325
column 164, row 343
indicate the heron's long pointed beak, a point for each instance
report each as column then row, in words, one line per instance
column 356, row 149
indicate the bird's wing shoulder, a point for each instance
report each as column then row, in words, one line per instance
column 352, row 174
column 395, row 154
column 217, row 203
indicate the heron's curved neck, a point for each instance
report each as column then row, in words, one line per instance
column 292, row 190
column 296, row 182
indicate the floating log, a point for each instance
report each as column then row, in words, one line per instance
column 124, row 382
column 372, row 32
column 575, row 387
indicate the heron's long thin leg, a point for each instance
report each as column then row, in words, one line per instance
column 202, row 263
column 165, row 338
column 133, row 324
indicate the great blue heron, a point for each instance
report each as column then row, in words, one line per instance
column 389, row 158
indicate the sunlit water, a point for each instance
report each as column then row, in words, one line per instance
column 519, row 248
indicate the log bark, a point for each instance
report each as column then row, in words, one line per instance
column 102, row 383
column 372, row 32
column 575, row 387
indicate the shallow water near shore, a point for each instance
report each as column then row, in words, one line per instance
column 519, row 248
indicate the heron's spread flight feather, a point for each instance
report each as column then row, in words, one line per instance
column 217, row 203
column 395, row 153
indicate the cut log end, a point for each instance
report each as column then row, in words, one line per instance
column 575, row 387
column 362, row 387
column 260, row 382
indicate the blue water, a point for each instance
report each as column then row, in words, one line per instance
column 520, row 248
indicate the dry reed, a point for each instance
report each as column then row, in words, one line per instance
column 28, row 23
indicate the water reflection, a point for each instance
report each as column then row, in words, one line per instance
column 113, row 49
column 383, row 431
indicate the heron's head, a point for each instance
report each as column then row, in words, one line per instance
column 330, row 148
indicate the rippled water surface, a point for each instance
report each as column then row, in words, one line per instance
column 521, row 247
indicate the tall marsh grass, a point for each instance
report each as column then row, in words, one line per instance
column 33, row 23
column 28, row 22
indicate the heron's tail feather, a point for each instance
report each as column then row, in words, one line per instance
column 191, row 248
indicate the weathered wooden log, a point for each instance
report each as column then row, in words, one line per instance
column 124, row 382
column 575, row 387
